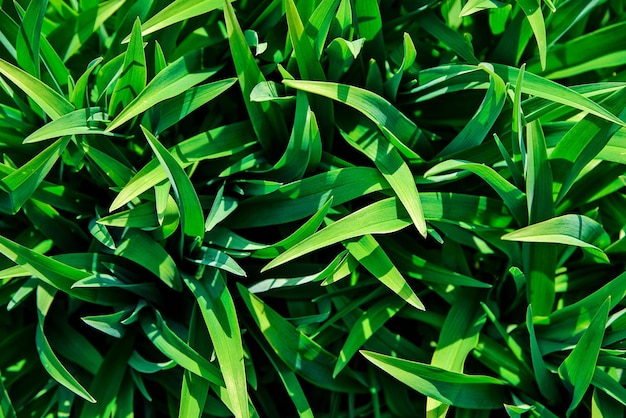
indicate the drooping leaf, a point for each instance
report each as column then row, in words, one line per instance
column 460, row 390
column 82, row 121
column 51, row 102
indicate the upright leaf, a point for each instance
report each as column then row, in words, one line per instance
column 267, row 120
column 192, row 218
column 218, row 310
column 134, row 75
column 578, row 368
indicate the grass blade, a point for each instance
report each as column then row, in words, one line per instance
column 476, row 130
column 218, row 310
column 532, row 10
column 22, row 183
column 176, row 349
column 578, row 368
column 177, row 11
column 368, row 323
column 195, row 389
column 267, row 120
column 173, row 80
column 299, row 352
column 78, row 122
column 27, row 43
column 577, row 230
column 459, row 390
column 379, row 217
column 216, row 143
column 371, row 256
column 512, row 197
column 458, row 337
column 192, row 218
column 404, row 133
column 51, row 102
column 108, row 381
column 134, row 74
column 6, row 406
column 140, row 248
column 397, row 173
column 45, row 296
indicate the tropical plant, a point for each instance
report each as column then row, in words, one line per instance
column 336, row 208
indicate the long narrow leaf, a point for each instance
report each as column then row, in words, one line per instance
column 460, row 390
column 218, row 310
column 192, row 219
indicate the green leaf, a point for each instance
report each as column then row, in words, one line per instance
column 27, row 43
column 192, row 218
column 370, row 321
column 299, row 352
column 306, row 230
column 397, row 173
column 431, row 23
column 50, row 362
column 82, row 121
column 386, row 216
column 172, row 111
column 577, row 230
column 218, row 310
column 133, row 77
column 609, row 385
column 532, row 10
column 380, row 217
column 79, row 95
column 569, row 321
column 456, row 389
column 267, row 119
column 592, row 51
column 341, row 54
column 23, row 182
column 458, row 337
column 404, row 134
column 539, row 260
column 69, row 36
column 55, row 273
column 512, row 197
column 177, row 11
column 473, row 6
column 176, row 349
column 194, row 390
column 476, row 130
column 371, row 256
column 51, row 102
column 545, row 380
column 108, row 381
column 217, row 143
column 582, row 143
column 219, row 259
column 6, row 406
column 578, row 368
column 173, row 80
column 140, row 248
column 302, row 198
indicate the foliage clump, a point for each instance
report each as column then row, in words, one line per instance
column 330, row 208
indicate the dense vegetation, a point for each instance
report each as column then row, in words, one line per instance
column 342, row 208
